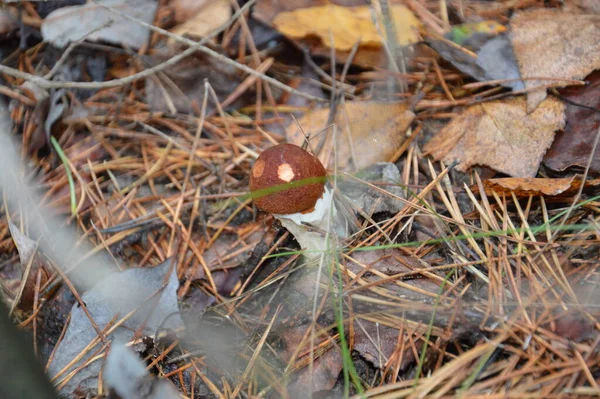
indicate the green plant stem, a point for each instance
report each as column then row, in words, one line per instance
column 65, row 161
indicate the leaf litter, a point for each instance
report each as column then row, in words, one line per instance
column 501, row 135
column 456, row 280
column 140, row 290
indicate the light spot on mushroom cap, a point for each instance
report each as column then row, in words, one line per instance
column 259, row 168
column 285, row 172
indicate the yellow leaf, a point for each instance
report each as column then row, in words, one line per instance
column 346, row 24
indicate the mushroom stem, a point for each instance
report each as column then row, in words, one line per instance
column 323, row 218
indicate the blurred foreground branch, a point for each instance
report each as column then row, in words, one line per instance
column 22, row 374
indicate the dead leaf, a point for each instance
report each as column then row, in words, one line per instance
column 8, row 20
column 501, row 135
column 184, row 83
column 96, row 23
column 494, row 60
column 540, row 54
column 376, row 343
column 573, row 147
column 203, row 20
column 187, row 9
column 347, row 25
column 380, row 264
column 575, row 327
column 325, row 370
column 524, row 187
column 367, row 133
column 27, row 248
column 369, row 199
column 117, row 294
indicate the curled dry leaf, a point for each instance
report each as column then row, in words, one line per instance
column 383, row 174
column 367, row 133
column 524, row 187
column 203, row 20
column 540, row 54
column 501, row 135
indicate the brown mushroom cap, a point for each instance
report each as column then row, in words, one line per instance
column 283, row 165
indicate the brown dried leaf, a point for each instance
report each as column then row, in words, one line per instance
column 377, row 343
column 367, row 132
column 501, row 135
column 524, row 187
column 325, row 370
column 575, row 327
column 26, row 248
column 554, row 44
column 573, row 147
column 200, row 18
column 388, row 262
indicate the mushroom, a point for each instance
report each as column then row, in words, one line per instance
column 289, row 182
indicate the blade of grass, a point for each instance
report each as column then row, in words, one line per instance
column 65, row 160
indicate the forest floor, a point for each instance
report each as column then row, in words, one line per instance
column 460, row 140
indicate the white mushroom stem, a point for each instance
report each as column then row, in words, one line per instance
column 314, row 240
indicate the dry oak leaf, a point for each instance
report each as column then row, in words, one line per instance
column 500, row 134
column 347, row 25
column 204, row 20
column 367, row 133
column 524, row 187
column 554, row 44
